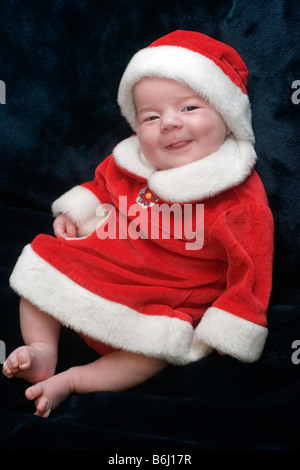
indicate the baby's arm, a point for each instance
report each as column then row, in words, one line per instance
column 64, row 227
column 236, row 323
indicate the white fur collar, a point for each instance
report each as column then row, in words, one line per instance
column 229, row 166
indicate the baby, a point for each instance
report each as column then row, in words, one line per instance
column 144, row 302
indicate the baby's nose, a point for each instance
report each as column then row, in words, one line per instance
column 170, row 120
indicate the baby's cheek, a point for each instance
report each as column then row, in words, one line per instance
column 147, row 141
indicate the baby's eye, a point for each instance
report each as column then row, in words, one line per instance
column 190, row 108
column 151, row 118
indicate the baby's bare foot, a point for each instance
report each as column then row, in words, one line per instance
column 50, row 393
column 32, row 363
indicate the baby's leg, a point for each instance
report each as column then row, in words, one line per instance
column 119, row 370
column 37, row 359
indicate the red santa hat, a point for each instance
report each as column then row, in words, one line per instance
column 214, row 70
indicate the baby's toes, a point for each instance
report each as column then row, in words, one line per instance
column 18, row 360
column 6, row 369
column 43, row 407
column 11, row 365
column 23, row 358
column 33, row 392
column 42, row 403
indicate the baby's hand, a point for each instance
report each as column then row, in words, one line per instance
column 64, row 227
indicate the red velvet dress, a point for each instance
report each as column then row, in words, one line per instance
column 181, row 264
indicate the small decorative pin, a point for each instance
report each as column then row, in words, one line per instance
column 146, row 198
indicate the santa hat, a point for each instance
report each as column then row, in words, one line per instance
column 214, row 70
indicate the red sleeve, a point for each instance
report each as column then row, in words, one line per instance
column 237, row 321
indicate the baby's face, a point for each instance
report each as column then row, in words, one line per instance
column 174, row 125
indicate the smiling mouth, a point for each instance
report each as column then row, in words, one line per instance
column 181, row 144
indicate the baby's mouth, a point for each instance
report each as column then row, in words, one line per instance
column 180, row 144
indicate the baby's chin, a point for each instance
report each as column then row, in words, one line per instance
column 179, row 163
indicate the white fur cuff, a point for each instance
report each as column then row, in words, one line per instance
column 80, row 205
column 232, row 335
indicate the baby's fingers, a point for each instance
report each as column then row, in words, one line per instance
column 64, row 227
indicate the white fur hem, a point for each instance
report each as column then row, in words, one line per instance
column 114, row 324
column 232, row 335
column 80, row 204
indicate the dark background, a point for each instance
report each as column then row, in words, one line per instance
column 62, row 62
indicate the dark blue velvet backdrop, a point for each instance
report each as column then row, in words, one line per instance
column 61, row 62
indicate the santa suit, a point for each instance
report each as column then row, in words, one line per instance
column 163, row 296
